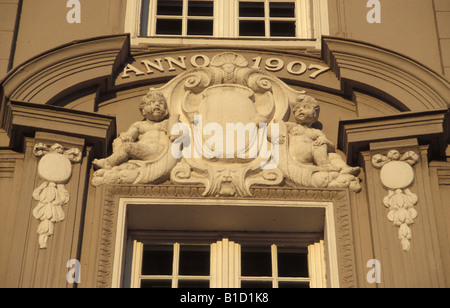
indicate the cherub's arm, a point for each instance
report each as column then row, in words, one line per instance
column 129, row 136
column 290, row 126
column 322, row 139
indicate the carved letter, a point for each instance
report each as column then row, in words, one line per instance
column 194, row 62
column 181, row 63
column 130, row 68
column 149, row 64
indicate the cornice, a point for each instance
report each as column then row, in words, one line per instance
column 429, row 127
column 23, row 119
column 405, row 82
column 80, row 63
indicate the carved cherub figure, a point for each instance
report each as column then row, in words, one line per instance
column 310, row 146
column 145, row 140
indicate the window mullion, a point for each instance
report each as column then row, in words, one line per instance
column 184, row 31
column 153, row 7
column 267, row 17
column 274, row 251
column 136, row 269
column 176, row 265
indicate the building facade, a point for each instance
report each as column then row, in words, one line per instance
column 225, row 143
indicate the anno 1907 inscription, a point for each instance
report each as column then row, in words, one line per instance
column 181, row 62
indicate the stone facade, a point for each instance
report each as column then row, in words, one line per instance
column 359, row 129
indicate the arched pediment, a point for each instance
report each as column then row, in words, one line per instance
column 346, row 66
column 399, row 79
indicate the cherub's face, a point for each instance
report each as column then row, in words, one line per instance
column 305, row 114
column 155, row 110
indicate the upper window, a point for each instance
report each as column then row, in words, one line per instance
column 267, row 18
column 177, row 17
column 232, row 19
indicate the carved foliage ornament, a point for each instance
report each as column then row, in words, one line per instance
column 397, row 175
column 55, row 168
column 223, row 126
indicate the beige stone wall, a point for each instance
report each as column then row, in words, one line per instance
column 44, row 26
column 442, row 9
column 8, row 14
column 415, row 28
column 407, row 27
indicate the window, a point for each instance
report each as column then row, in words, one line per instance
column 229, row 244
column 231, row 19
column 177, row 17
column 250, row 262
column 267, row 18
column 173, row 265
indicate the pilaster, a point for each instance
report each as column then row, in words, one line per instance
column 395, row 153
column 47, row 205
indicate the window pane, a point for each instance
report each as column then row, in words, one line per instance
column 193, row 284
column 256, row 261
column 144, row 17
column 194, row 260
column 282, row 28
column 170, row 7
column 292, row 262
column 292, row 284
column 251, row 9
column 200, row 27
column 282, row 9
column 256, row 284
column 169, row 26
column 252, row 28
column 156, row 284
column 157, row 260
column 201, row 8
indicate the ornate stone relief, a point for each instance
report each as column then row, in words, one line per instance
column 397, row 175
column 223, row 126
column 55, row 168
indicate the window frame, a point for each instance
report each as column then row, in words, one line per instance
column 311, row 15
column 123, row 262
column 225, row 256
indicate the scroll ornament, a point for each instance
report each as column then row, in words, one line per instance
column 397, row 175
column 55, row 168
